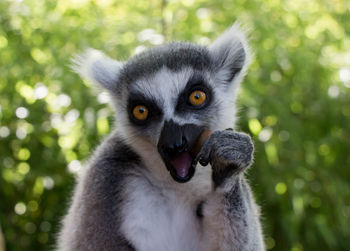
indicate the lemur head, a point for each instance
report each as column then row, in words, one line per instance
column 168, row 95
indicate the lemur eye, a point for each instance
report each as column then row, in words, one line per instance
column 140, row 112
column 197, row 98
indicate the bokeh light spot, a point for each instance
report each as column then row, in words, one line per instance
column 324, row 149
column 30, row 228
column 150, row 35
column 23, row 154
column 103, row 98
column 23, row 168
column 275, row 76
column 4, row 131
column 270, row 120
column 74, row 166
column 297, row 247
column 254, row 126
column 63, row 100
column 45, row 226
column 265, row 134
column 22, row 112
column 270, row 243
column 33, row 206
column 281, row 188
column 296, row 107
column 21, row 132
column 40, row 56
column 298, row 205
column 271, row 153
column 344, row 75
column 333, row 91
column 43, row 238
column 102, row 126
column 299, row 183
column 72, row 116
column 38, row 188
column 40, row 91
column 139, row 49
column 3, row 42
column 20, row 208
column 48, row 183
column 203, row 13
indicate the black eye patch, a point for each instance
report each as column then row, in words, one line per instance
column 137, row 99
column 195, row 83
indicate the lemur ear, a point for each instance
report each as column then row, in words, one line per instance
column 231, row 56
column 96, row 67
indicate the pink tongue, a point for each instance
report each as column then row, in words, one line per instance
column 182, row 164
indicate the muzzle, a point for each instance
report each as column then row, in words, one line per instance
column 174, row 145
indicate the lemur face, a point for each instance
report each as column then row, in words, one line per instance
column 168, row 95
column 170, row 108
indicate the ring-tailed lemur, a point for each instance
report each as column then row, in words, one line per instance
column 143, row 189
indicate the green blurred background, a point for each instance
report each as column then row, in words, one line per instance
column 294, row 101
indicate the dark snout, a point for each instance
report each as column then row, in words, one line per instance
column 174, row 146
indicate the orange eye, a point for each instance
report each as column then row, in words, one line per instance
column 197, row 98
column 140, row 112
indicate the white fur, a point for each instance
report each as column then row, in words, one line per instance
column 160, row 215
column 164, row 87
column 96, row 67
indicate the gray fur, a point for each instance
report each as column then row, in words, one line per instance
column 228, row 152
column 126, row 199
column 97, row 67
column 174, row 56
column 93, row 221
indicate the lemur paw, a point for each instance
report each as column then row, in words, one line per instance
column 228, row 152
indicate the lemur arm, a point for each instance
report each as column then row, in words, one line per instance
column 93, row 220
column 229, row 216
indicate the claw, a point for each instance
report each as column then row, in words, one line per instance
column 203, row 162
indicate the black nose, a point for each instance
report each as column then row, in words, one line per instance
column 172, row 140
column 176, row 147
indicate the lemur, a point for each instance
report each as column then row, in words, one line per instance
column 143, row 189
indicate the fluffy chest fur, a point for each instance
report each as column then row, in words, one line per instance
column 163, row 217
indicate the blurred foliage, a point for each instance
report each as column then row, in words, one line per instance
column 294, row 101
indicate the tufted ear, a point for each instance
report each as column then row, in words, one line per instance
column 96, row 67
column 231, row 56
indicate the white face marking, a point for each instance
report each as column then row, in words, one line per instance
column 164, row 87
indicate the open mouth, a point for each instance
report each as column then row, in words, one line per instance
column 182, row 167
